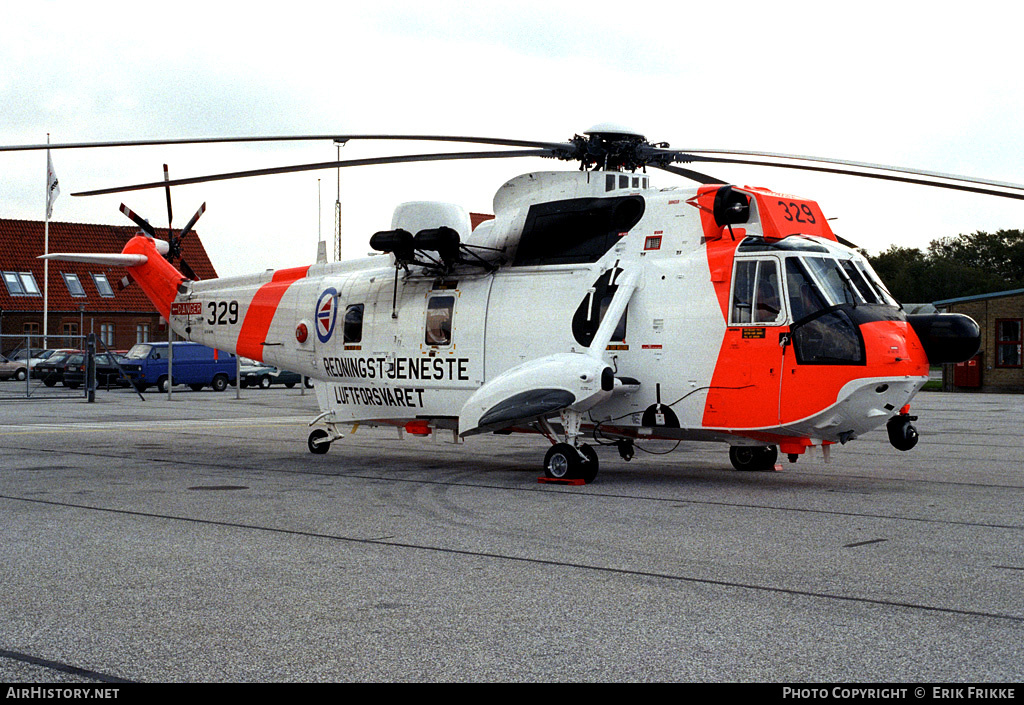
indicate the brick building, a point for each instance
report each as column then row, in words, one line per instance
column 83, row 298
column 999, row 364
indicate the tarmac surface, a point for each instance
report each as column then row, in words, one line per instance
column 197, row 540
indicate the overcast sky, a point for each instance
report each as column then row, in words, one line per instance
column 910, row 84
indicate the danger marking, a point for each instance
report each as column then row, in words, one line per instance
column 187, row 308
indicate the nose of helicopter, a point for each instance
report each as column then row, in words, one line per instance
column 946, row 337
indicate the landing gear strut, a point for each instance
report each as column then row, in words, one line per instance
column 569, row 460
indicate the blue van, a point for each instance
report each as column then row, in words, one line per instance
column 194, row 364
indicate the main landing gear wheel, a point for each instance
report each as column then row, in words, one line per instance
column 318, row 441
column 563, row 462
column 753, row 458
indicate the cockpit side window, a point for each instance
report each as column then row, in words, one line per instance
column 804, row 297
column 756, row 293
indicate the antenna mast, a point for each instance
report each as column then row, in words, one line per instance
column 337, row 211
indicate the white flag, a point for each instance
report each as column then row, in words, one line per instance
column 52, row 189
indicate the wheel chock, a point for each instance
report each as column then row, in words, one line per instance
column 561, row 481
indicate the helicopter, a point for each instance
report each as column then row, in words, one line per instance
column 592, row 310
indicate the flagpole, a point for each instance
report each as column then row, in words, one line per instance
column 46, row 251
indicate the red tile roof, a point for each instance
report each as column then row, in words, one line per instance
column 21, row 243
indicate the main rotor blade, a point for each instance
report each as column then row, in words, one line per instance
column 288, row 138
column 867, row 175
column 846, row 162
column 689, row 174
column 407, row 158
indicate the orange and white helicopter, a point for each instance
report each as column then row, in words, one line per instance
column 591, row 308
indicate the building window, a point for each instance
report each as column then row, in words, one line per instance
column 74, row 286
column 1008, row 342
column 31, row 331
column 107, row 334
column 103, row 286
column 142, row 333
column 21, row 284
column 69, row 332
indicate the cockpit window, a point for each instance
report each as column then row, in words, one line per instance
column 860, row 283
column 838, row 287
column 804, row 297
column 756, row 293
column 870, row 275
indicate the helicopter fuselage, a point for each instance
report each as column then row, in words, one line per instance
column 745, row 332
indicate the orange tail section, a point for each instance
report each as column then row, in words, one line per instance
column 156, row 276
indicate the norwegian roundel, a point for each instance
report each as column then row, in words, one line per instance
column 326, row 314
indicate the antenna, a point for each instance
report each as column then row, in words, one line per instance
column 337, row 210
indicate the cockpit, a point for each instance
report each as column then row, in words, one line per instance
column 814, row 286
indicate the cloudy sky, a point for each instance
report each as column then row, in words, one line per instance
column 902, row 83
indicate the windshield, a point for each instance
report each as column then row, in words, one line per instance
column 139, row 352
column 838, row 287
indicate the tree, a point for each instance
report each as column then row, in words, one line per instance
column 966, row 265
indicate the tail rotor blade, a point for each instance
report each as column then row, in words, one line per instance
column 167, row 189
column 187, row 270
column 188, row 227
column 138, row 220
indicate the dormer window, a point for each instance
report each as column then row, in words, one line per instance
column 21, row 284
column 74, row 285
column 103, row 286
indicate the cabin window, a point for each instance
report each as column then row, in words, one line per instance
column 439, row 320
column 756, row 293
column 354, row 323
column 1008, row 342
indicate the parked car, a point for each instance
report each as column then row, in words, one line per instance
column 12, row 369
column 258, row 374
column 108, row 373
column 28, row 357
column 40, row 368
column 195, row 365
column 51, row 370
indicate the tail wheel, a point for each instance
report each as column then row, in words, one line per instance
column 318, row 442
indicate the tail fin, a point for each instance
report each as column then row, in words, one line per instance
column 142, row 256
